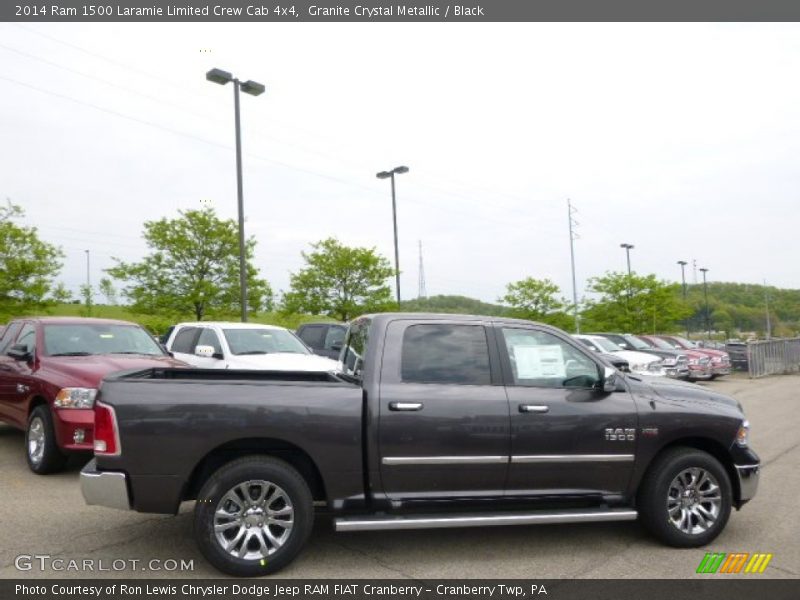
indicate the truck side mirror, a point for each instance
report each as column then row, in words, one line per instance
column 609, row 379
column 20, row 352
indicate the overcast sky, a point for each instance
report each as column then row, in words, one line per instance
column 680, row 139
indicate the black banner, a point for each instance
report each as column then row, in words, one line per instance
column 712, row 588
column 412, row 11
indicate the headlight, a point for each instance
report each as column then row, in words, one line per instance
column 75, row 398
column 742, row 436
column 694, row 361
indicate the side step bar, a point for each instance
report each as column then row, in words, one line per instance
column 438, row 521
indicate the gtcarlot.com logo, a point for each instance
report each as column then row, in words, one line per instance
column 736, row 562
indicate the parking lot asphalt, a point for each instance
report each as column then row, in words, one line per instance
column 47, row 516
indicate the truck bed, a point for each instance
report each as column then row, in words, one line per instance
column 199, row 416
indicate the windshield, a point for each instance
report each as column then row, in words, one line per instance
column 659, row 343
column 636, row 343
column 263, row 341
column 606, row 345
column 685, row 342
column 85, row 339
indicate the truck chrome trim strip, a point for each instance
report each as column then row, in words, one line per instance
column 479, row 520
column 562, row 458
column 444, row 460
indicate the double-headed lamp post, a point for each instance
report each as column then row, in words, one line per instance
column 390, row 175
column 683, row 264
column 628, row 248
column 254, row 89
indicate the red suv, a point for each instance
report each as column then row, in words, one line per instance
column 50, row 370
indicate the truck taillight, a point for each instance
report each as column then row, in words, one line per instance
column 106, row 436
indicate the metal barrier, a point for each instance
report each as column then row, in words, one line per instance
column 773, row 357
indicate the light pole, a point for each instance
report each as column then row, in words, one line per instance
column 628, row 248
column 705, row 293
column 254, row 89
column 683, row 264
column 390, row 175
column 88, row 287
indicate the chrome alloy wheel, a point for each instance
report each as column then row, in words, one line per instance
column 694, row 500
column 253, row 519
column 36, row 439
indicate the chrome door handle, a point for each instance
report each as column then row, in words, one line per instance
column 405, row 406
column 533, row 408
column 22, row 389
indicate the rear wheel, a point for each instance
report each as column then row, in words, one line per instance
column 253, row 516
column 685, row 498
column 41, row 448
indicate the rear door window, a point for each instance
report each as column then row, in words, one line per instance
column 450, row 354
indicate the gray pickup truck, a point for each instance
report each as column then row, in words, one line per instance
column 433, row 421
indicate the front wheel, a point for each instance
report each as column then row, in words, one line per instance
column 253, row 516
column 41, row 447
column 685, row 498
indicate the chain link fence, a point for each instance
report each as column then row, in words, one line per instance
column 773, row 357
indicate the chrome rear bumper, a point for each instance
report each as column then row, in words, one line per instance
column 104, row 488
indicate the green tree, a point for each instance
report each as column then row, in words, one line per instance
column 108, row 290
column 340, row 281
column 193, row 268
column 60, row 294
column 87, row 292
column 634, row 303
column 537, row 300
column 28, row 265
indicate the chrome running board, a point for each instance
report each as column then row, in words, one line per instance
column 438, row 521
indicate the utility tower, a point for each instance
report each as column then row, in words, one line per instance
column 422, row 293
column 573, row 235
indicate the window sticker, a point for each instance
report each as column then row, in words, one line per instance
column 539, row 362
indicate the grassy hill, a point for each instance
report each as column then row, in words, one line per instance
column 454, row 304
column 742, row 307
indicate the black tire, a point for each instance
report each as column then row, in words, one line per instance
column 225, row 479
column 657, row 486
column 49, row 458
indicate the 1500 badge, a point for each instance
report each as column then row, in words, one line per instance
column 620, row 435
